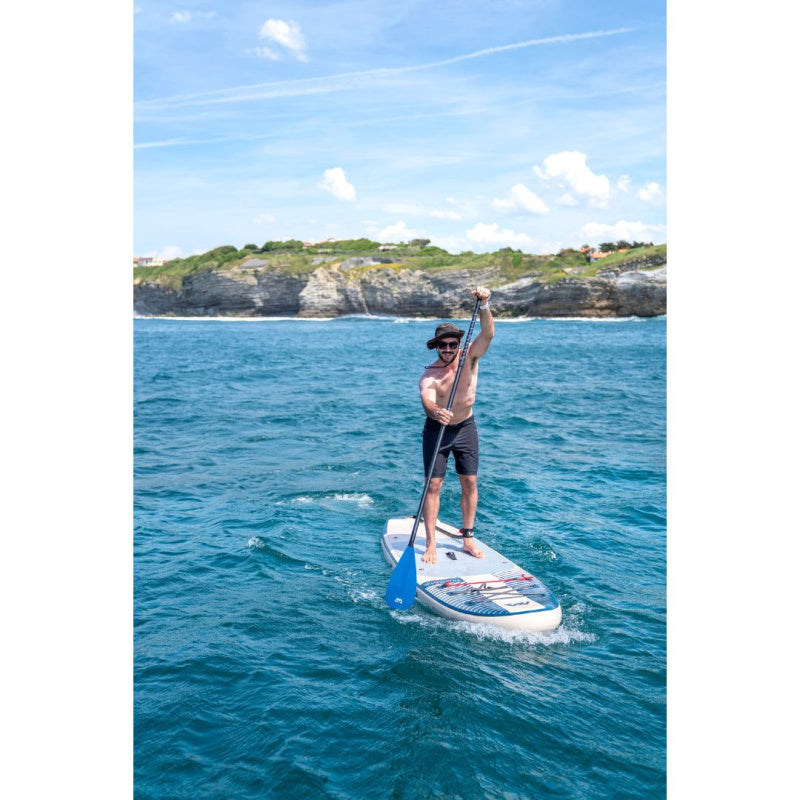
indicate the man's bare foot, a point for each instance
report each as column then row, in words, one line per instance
column 470, row 549
column 429, row 556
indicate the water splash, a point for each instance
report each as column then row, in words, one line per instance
column 256, row 543
column 359, row 499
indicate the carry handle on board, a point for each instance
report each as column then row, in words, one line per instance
column 403, row 582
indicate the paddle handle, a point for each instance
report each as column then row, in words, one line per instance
column 429, row 474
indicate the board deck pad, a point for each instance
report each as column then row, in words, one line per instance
column 492, row 589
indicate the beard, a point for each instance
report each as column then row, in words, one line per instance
column 449, row 356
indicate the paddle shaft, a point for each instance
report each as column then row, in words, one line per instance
column 429, row 474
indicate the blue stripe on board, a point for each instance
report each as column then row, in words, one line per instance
column 472, row 599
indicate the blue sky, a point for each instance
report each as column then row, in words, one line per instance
column 477, row 125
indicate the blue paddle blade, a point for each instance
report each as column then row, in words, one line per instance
column 403, row 583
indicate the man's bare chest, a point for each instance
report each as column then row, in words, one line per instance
column 441, row 381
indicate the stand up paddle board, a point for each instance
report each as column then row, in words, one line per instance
column 491, row 590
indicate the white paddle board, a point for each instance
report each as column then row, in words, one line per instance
column 491, row 590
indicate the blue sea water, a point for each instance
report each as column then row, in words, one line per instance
column 268, row 455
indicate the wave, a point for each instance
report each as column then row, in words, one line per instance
column 392, row 318
column 235, row 319
column 579, row 319
column 563, row 635
column 360, row 499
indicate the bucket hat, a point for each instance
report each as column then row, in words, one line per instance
column 443, row 331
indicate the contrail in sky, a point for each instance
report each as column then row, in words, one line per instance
column 567, row 37
column 332, row 83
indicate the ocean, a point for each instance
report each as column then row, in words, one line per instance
column 268, row 455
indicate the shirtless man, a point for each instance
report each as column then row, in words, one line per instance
column 461, row 433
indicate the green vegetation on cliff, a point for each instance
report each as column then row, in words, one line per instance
column 294, row 257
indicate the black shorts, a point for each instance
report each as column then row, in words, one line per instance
column 461, row 439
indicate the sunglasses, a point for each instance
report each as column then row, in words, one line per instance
column 451, row 345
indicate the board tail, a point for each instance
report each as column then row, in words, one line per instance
column 402, row 586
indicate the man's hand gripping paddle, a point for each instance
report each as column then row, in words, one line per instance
column 402, row 586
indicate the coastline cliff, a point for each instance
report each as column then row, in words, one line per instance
column 254, row 287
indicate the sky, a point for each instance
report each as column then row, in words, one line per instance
column 532, row 124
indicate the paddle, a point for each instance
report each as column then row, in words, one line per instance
column 403, row 582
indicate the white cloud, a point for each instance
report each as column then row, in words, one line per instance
column 624, row 183
column 287, row 34
column 188, row 16
column 569, row 170
column 522, row 198
column 335, row 181
column 567, row 199
column 485, row 233
column 651, row 193
column 265, row 218
column 452, row 244
column 630, row 231
column 398, row 232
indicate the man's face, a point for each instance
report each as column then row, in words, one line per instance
column 448, row 349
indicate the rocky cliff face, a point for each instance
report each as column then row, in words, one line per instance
column 331, row 291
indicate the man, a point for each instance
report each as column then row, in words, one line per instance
column 460, row 434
